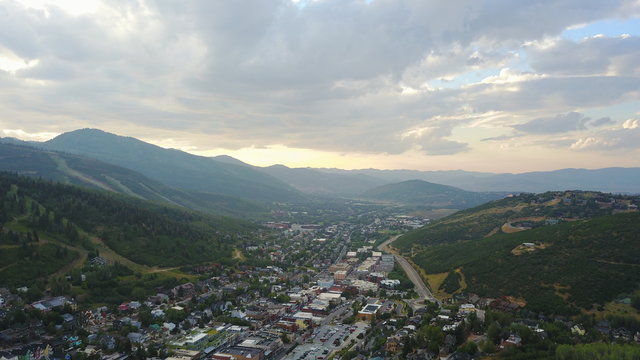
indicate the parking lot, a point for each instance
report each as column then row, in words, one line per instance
column 326, row 340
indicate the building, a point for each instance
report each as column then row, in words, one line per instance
column 393, row 344
column 339, row 266
column 390, row 283
column 325, row 283
column 368, row 312
column 334, row 298
column 340, row 275
column 239, row 353
column 364, row 286
column 183, row 354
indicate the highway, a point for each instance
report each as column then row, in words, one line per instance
column 420, row 287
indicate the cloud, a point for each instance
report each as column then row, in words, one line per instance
column 614, row 56
column 572, row 121
column 631, row 124
column 601, row 122
column 21, row 134
column 333, row 75
column 502, row 137
column 624, row 139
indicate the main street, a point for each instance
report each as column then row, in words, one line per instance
column 420, row 287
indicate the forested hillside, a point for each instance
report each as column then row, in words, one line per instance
column 517, row 213
column 576, row 264
column 45, row 225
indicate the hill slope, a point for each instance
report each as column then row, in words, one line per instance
column 44, row 218
column 429, row 194
column 514, row 214
column 579, row 263
column 79, row 170
column 173, row 167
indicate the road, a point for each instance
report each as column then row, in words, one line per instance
column 420, row 287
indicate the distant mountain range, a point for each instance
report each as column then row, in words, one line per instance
column 614, row 179
column 200, row 180
column 430, row 194
column 330, row 181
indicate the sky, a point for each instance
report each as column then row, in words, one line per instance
column 496, row 85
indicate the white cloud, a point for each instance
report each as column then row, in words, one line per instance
column 23, row 135
column 631, row 124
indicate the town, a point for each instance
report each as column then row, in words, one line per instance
column 324, row 292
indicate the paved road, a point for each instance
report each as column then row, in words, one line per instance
column 420, row 287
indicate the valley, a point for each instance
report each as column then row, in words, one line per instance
column 103, row 261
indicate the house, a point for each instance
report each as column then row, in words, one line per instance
column 393, row 344
column 98, row 261
column 604, row 327
column 136, row 337
column 511, row 341
column 578, row 330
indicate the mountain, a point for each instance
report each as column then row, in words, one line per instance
column 48, row 227
column 429, row 194
column 619, row 180
column 313, row 181
column 173, row 167
column 79, row 170
column 537, row 247
column 230, row 160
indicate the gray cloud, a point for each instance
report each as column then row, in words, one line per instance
column 601, row 122
column 572, row 121
column 560, row 123
column 597, row 55
column 328, row 76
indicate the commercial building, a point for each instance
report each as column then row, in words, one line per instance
column 368, row 312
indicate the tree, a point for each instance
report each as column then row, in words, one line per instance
column 408, row 346
column 470, row 348
column 283, row 298
column 145, row 317
column 635, row 302
column 488, row 347
column 493, row 332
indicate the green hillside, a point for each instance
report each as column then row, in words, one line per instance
column 175, row 168
column 79, row 170
column 513, row 214
column 46, row 225
column 429, row 194
column 573, row 264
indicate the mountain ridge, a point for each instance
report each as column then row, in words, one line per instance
column 79, row 170
column 174, row 167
